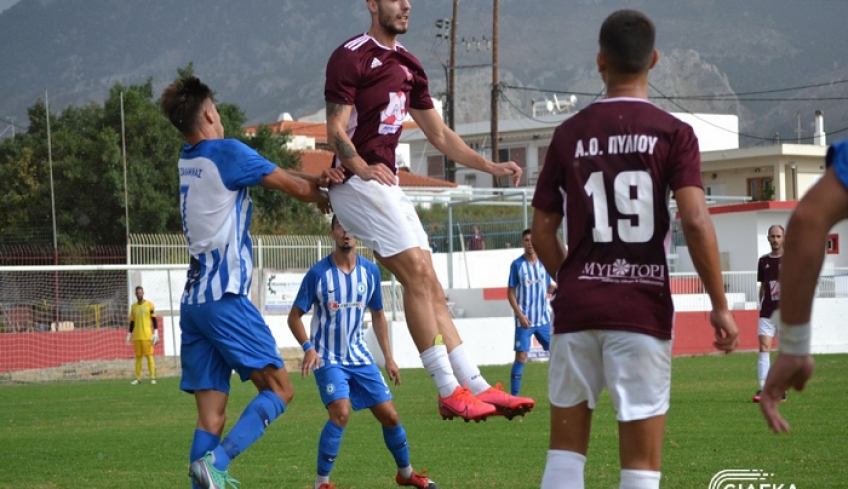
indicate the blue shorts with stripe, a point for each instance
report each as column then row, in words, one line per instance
column 362, row 384
column 221, row 336
column 523, row 336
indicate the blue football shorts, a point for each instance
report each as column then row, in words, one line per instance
column 362, row 384
column 523, row 336
column 221, row 336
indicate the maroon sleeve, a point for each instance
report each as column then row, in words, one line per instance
column 685, row 160
column 548, row 197
column 420, row 99
column 761, row 272
column 342, row 77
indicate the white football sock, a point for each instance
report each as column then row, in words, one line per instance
column 405, row 472
column 763, row 365
column 321, row 480
column 435, row 360
column 639, row 479
column 466, row 370
column 563, row 470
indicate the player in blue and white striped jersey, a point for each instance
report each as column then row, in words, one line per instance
column 528, row 292
column 340, row 287
column 221, row 329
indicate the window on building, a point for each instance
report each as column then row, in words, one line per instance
column 436, row 166
column 519, row 156
column 470, row 180
column 761, row 188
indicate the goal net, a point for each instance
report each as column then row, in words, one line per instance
column 70, row 322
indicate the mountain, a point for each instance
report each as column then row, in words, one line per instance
column 268, row 56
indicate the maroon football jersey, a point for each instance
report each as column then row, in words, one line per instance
column 609, row 170
column 768, row 273
column 381, row 84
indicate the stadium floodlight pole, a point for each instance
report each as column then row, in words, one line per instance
column 126, row 189
column 52, row 205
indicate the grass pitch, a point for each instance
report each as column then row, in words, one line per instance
column 109, row 434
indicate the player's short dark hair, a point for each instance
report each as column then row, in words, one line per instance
column 776, row 226
column 334, row 221
column 525, row 233
column 182, row 102
column 137, row 287
column 627, row 41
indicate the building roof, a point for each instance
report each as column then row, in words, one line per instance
column 317, row 130
column 314, row 161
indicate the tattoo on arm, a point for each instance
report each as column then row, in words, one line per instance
column 334, row 109
column 344, row 149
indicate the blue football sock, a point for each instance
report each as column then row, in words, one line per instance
column 515, row 378
column 202, row 442
column 328, row 447
column 263, row 409
column 395, row 439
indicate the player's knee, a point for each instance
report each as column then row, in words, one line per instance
column 521, row 356
column 390, row 419
column 213, row 422
column 340, row 415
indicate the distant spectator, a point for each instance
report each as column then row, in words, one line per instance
column 507, row 245
column 475, row 239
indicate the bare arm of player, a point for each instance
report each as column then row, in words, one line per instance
column 546, row 240
column 825, row 204
column 310, row 356
column 703, row 247
column 295, row 186
column 449, row 143
column 338, row 117
column 381, row 331
column 513, row 303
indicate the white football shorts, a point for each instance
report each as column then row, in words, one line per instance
column 765, row 327
column 635, row 367
column 380, row 216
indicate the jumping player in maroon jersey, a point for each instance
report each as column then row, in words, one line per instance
column 609, row 171
column 372, row 83
column 768, row 275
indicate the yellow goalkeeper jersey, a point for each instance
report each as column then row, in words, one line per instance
column 142, row 316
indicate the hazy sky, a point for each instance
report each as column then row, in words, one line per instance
column 4, row 4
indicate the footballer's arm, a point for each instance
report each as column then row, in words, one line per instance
column 703, row 248
column 449, row 143
column 338, row 117
column 546, row 240
column 381, row 331
column 286, row 182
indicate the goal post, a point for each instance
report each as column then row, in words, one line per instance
column 70, row 322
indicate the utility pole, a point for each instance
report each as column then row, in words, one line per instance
column 450, row 165
column 495, row 86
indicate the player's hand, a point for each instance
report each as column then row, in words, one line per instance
column 507, row 169
column 331, row 175
column 129, row 338
column 155, row 337
column 378, row 172
column 787, row 372
column 523, row 321
column 324, row 204
column 393, row 371
column 310, row 362
column 726, row 331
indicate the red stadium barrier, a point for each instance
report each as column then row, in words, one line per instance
column 25, row 351
column 693, row 334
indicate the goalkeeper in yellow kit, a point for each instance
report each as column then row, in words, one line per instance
column 143, row 334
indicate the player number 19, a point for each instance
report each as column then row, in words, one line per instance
column 641, row 206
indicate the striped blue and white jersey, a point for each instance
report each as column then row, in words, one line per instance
column 530, row 282
column 340, row 300
column 216, row 209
